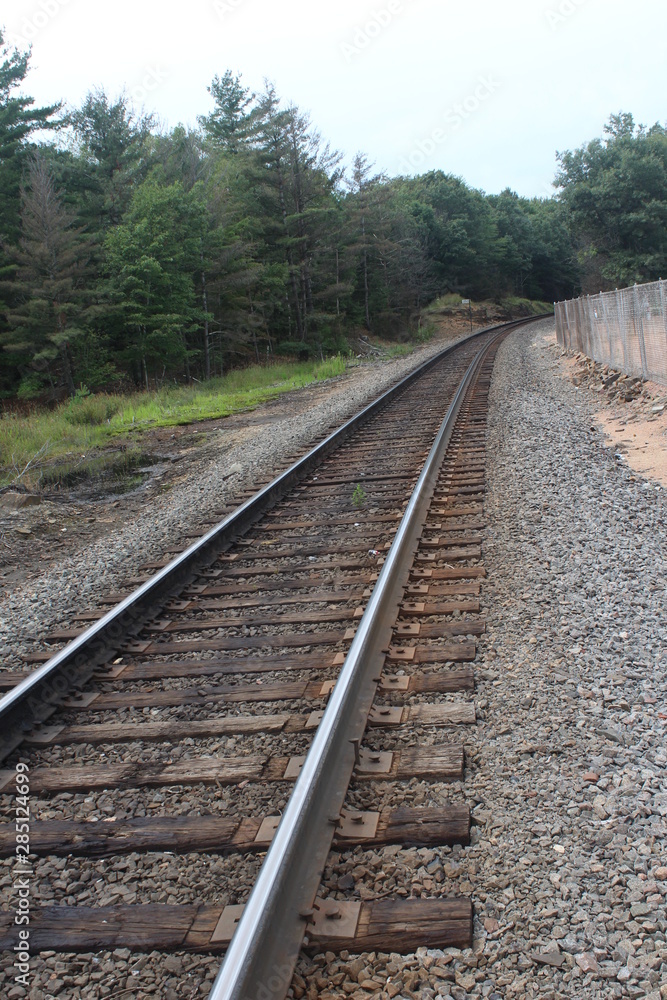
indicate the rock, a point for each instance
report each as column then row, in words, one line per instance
column 591, row 776
column 660, row 874
column 611, row 734
column 599, row 807
column 624, row 950
column 587, row 963
column 354, row 968
column 17, row 501
column 23, row 531
column 554, row 958
column 491, row 924
column 364, row 974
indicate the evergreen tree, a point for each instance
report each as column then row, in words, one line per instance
column 152, row 257
column 48, row 313
column 116, row 145
column 18, row 120
column 227, row 126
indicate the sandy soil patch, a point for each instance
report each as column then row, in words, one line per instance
column 634, row 423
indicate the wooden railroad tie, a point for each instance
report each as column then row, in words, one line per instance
column 228, row 835
column 395, row 925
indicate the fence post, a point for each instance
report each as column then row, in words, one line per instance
column 639, row 330
column 603, row 313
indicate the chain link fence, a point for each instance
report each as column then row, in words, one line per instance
column 625, row 329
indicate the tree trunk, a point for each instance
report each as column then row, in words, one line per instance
column 290, row 256
column 207, row 344
column 186, row 359
column 337, row 285
column 367, row 313
column 67, row 368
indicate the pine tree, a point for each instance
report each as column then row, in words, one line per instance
column 227, row 126
column 116, row 144
column 49, row 309
column 152, row 257
column 18, row 120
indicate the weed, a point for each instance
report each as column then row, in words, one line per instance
column 425, row 333
column 398, row 351
column 358, row 496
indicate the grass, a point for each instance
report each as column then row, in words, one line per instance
column 31, row 446
column 398, row 350
column 511, row 304
column 525, row 307
column 450, row 301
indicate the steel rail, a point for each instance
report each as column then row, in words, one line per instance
column 37, row 696
column 260, row 960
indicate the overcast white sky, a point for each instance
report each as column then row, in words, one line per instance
column 484, row 89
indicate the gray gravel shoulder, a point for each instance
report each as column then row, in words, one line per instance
column 571, row 770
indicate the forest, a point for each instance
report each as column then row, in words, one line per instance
column 131, row 256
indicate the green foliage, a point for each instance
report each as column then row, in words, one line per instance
column 18, row 120
column 615, row 193
column 444, row 303
column 85, row 409
column 424, row 333
column 358, row 496
column 151, row 257
column 516, row 307
column 293, row 349
column 114, row 142
column 48, row 304
column 398, row 351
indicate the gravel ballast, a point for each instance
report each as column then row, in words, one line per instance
column 565, row 771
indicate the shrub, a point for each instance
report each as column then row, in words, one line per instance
column 424, row 333
column 87, row 410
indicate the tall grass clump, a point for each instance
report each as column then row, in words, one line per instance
column 86, row 409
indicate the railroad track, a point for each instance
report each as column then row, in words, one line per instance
column 262, row 690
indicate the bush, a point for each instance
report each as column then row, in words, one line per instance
column 424, row 333
column 32, row 385
column 87, row 410
column 518, row 307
